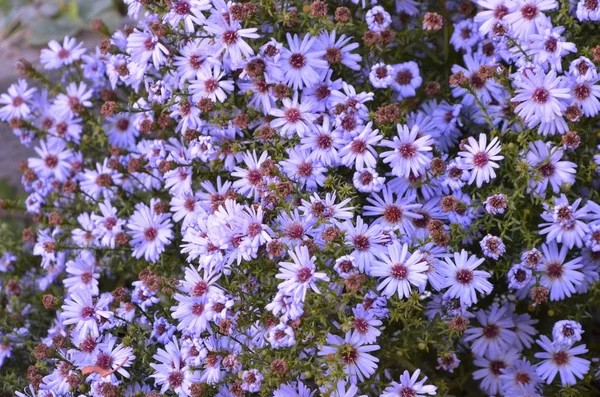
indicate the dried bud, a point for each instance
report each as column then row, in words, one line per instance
column 158, row 29
column 55, row 218
column 49, row 301
column 449, row 203
column 571, row 140
column 539, row 295
column 121, row 238
column 371, row 38
column 458, row 79
column 432, row 88
column 342, row 14
column 108, row 109
column 330, row 233
column 573, row 113
column 318, row 9
column 73, row 380
column 279, row 367
column 28, row 235
column 433, row 21
column 104, row 46
column 438, row 166
column 241, row 120
column 198, row 389
column 164, row 120
column 205, row 105
column 354, row 281
column 134, row 165
column 388, row 114
column 120, row 295
column 225, row 326
column 59, row 341
column 458, row 323
column 70, row 186
column 275, row 249
column 266, row 133
column 596, row 53
column 41, row 351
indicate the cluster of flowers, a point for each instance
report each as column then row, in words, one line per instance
column 298, row 199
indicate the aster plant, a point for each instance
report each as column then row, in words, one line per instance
column 270, row 198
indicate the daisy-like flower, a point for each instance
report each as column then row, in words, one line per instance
column 545, row 159
column 209, row 84
column 295, row 119
column 150, row 232
column 188, row 11
column 550, row 47
column 81, row 309
column 496, row 204
column 121, row 131
column 409, row 151
column 368, row 180
column 588, row 10
column 113, row 358
column 493, row 13
column 558, row 276
column 495, row 334
column 399, row 212
column 172, row 373
column 55, row 160
column 76, row 99
column 301, row 61
column 301, row 274
column 541, row 96
column 192, row 58
column 82, row 273
column 567, row 332
column 585, row 95
column 492, row 367
column 17, row 101
column 229, row 37
column 58, row 55
column 308, row 173
column 462, row 278
column 144, row 46
column 564, row 222
column 563, row 360
column 352, row 353
column 323, row 143
column 378, row 19
column 102, row 181
column 520, row 379
column 366, row 240
column 409, row 386
column 465, row 35
column 407, row 79
column 252, row 380
column 361, row 152
column 486, row 90
column 364, row 324
column 492, row 246
column 480, row 157
column 381, row 75
column 338, row 49
column 250, row 180
column 528, row 17
column 400, row 270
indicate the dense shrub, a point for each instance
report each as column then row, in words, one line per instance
column 297, row 199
